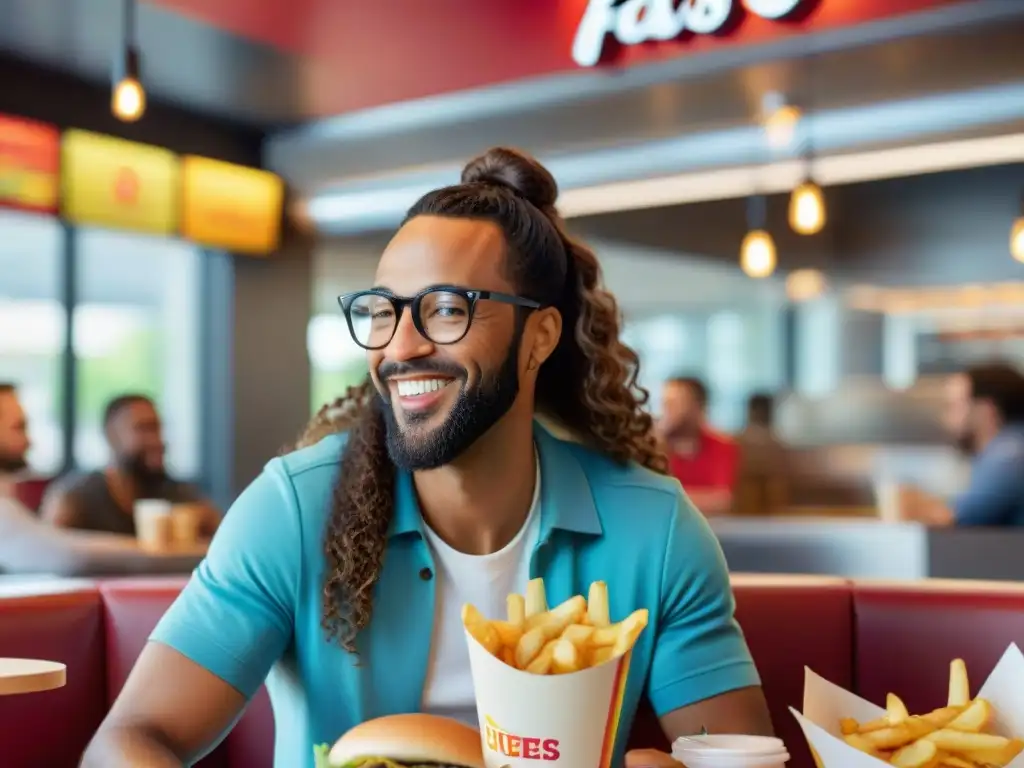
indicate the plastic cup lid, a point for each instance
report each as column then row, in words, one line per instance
column 728, row 745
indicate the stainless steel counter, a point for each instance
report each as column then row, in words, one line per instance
column 870, row 549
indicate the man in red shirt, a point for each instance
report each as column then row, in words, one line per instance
column 704, row 461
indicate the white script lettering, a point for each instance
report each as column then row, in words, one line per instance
column 637, row 21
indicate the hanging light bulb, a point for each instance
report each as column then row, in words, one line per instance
column 807, row 209
column 1017, row 237
column 128, row 100
column 757, row 254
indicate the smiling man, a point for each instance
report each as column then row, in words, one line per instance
column 342, row 569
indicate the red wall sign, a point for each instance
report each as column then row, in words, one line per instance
column 29, row 161
column 366, row 54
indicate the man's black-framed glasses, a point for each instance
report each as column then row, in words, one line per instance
column 442, row 314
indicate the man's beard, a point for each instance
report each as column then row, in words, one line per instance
column 965, row 444
column 147, row 481
column 475, row 411
column 11, row 464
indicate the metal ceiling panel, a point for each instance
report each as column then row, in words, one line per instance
column 184, row 62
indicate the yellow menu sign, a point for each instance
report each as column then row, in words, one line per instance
column 110, row 182
column 231, row 207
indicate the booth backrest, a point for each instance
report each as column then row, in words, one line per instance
column 870, row 638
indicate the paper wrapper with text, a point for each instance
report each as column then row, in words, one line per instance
column 825, row 704
column 555, row 721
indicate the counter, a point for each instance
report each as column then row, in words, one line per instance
column 858, row 548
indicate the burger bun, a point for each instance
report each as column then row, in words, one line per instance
column 411, row 739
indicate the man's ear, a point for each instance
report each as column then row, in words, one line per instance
column 544, row 331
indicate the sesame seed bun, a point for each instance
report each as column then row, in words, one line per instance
column 411, row 739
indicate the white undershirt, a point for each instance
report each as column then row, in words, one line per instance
column 485, row 581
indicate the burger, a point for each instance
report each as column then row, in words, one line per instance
column 405, row 741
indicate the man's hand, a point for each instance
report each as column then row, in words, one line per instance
column 914, row 505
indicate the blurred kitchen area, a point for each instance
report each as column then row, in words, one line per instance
column 675, row 131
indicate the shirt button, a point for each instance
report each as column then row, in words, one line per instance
column 426, row 574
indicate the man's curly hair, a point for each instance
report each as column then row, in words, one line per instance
column 588, row 386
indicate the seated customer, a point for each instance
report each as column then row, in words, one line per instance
column 703, row 461
column 985, row 416
column 16, row 479
column 104, row 500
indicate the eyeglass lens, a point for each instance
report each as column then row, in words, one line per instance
column 443, row 318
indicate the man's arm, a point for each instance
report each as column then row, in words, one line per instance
column 702, row 674
column 59, row 508
column 215, row 646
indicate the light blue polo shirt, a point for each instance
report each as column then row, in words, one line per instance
column 252, row 610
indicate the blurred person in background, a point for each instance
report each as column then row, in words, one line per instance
column 16, row 478
column 763, row 486
column 29, row 546
column 340, row 573
column 104, row 500
column 704, row 461
column 984, row 414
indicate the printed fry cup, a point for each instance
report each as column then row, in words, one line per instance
column 558, row 721
column 825, row 704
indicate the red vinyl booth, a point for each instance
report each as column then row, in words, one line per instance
column 868, row 637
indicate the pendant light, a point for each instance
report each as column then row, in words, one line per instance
column 128, row 98
column 757, row 252
column 1017, row 235
column 807, row 208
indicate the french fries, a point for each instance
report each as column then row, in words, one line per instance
column 953, row 736
column 574, row 635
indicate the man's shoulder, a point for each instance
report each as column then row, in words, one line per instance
column 78, row 482
column 619, row 488
column 313, row 468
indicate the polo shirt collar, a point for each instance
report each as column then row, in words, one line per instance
column 566, row 502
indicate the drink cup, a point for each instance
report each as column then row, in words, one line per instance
column 153, row 523
column 184, row 525
column 730, row 751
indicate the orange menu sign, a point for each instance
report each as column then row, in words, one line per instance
column 29, row 161
column 110, row 182
column 231, row 207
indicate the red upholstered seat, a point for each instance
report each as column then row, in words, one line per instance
column 56, row 621
column 134, row 606
column 790, row 623
column 908, row 633
column 871, row 638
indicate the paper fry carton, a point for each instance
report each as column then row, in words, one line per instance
column 825, row 704
column 547, row 721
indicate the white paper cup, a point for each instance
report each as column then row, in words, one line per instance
column 562, row 721
column 153, row 523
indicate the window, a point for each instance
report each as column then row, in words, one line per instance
column 336, row 361
column 32, row 327
column 136, row 329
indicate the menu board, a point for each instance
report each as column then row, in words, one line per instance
column 29, row 162
column 109, row 182
column 231, row 207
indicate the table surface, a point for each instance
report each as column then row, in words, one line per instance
column 30, row 676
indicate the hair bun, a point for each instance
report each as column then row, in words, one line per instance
column 516, row 171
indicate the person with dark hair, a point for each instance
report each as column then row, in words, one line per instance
column 14, row 443
column 342, row 570
column 984, row 415
column 704, row 461
column 104, row 500
column 763, row 477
